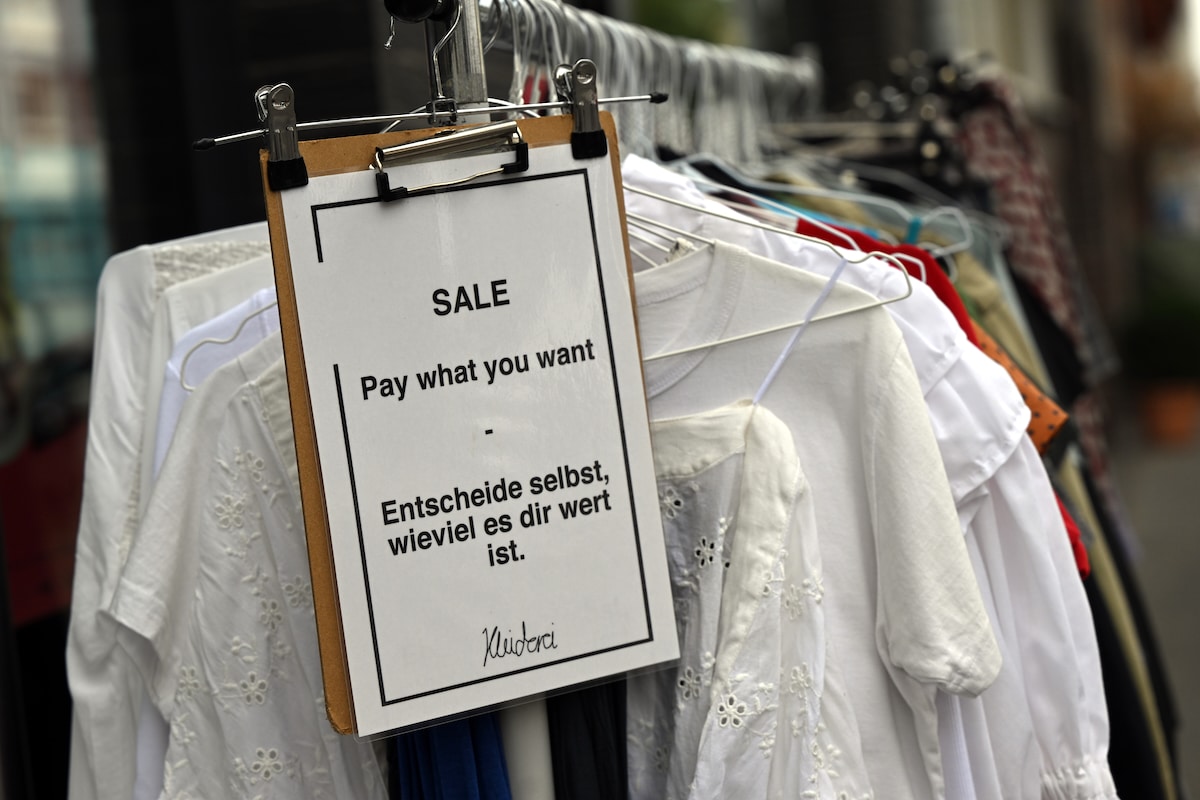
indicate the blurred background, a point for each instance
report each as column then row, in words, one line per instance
column 100, row 101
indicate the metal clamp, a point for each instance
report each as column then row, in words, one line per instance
column 481, row 139
column 577, row 85
column 276, row 106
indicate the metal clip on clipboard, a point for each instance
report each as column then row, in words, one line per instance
column 577, row 87
column 479, row 139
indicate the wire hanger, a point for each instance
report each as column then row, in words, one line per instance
column 852, row 244
column 647, row 221
column 913, row 222
column 793, row 214
column 646, row 240
column 241, row 326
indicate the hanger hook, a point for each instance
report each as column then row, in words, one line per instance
column 437, row 49
column 497, row 11
column 391, row 33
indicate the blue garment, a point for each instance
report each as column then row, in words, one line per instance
column 460, row 760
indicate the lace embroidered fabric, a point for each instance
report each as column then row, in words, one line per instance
column 755, row 707
column 248, row 712
column 182, row 262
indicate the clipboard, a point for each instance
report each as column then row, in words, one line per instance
column 354, row 154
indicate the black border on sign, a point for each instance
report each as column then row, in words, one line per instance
column 384, row 700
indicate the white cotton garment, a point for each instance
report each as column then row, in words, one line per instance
column 903, row 608
column 979, row 421
column 177, row 305
column 104, row 686
column 232, row 333
column 183, row 307
column 216, row 604
column 1049, row 635
column 742, row 714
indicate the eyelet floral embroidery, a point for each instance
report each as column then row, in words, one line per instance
column 254, row 689
column 731, row 712
column 189, row 684
column 671, row 499
column 271, row 614
column 267, row 764
column 298, row 592
column 251, row 464
column 230, row 512
column 800, row 680
column 793, row 601
column 705, row 552
column 689, row 684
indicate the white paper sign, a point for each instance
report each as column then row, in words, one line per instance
column 481, row 425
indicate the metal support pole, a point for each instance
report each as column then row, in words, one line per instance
column 463, row 54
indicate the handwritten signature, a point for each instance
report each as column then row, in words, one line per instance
column 498, row 644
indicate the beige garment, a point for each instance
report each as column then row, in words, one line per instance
column 982, row 290
column 837, row 207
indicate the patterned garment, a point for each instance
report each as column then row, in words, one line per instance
column 218, row 588
column 1046, row 417
column 999, row 144
column 755, row 706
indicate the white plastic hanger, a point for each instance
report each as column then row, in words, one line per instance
column 241, row 326
column 647, row 222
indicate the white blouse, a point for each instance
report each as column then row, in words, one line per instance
column 1045, row 726
column 901, row 600
column 104, row 685
column 746, row 712
column 217, row 590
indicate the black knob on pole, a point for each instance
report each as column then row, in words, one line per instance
column 420, row 10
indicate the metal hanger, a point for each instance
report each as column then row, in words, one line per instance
column 647, row 221
column 241, row 327
column 908, row 219
column 794, row 215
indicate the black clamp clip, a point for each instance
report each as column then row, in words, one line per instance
column 577, row 86
column 277, row 110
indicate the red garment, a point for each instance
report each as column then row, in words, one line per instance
column 1081, row 557
column 934, row 277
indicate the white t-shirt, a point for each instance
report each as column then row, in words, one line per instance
column 745, row 712
column 902, row 604
column 216, row 601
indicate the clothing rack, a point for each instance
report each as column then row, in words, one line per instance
column 725, row 99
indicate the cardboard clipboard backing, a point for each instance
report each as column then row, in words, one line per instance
column 331, row 157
